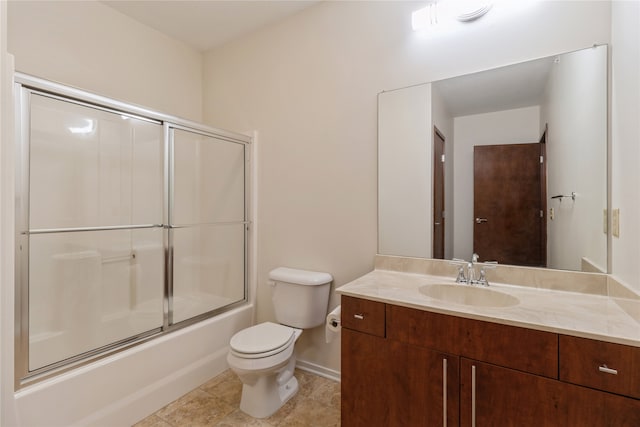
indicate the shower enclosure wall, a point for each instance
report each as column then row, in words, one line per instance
column 130, row 224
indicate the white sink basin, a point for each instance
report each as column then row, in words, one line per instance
column 469, row 295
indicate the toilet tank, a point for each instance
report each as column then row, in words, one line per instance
column 300, row 297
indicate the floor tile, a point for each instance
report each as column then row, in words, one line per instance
column 228, row 389
column 327, row 392
column 153, row 421
column 216, row 403
column 196, row 408
column 310, row 412
column 239, row 418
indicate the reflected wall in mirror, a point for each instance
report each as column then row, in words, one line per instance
column 546, row 210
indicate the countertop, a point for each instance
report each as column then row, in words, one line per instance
column 600, row 317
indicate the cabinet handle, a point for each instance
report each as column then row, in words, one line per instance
column 444, row 392
column 607, row 370
column 359, row 316
column 473, row 395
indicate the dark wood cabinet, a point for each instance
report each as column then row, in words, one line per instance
column 363, row 316
column 496, row 396
column 387, row 382
column 365, row 359
column 587, row 407
column 519, row 348
column 423, row 387
column 601, row 365
column 408, row 367
column 365, row 380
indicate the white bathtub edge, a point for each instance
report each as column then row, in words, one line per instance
column 123, row 389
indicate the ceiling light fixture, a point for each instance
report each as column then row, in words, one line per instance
column 447, row 11
column 471, row 12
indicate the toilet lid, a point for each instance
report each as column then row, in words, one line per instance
column 262, row 338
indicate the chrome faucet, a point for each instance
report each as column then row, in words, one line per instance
column 471, row 269
column 471, row 277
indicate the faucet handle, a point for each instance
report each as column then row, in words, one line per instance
column 485, row 266
column 459, row 263
column 482, row 280
column 475, row 257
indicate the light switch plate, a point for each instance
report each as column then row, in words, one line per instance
column 615, row 223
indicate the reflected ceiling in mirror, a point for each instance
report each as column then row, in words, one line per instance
column 507, row 209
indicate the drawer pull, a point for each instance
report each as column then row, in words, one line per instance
column 359, row 316
column 607, row 370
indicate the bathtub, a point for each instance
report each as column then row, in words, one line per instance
column 121, row 389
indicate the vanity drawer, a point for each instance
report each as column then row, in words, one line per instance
column 601, row 365
column 513, row 347
column 363, row 315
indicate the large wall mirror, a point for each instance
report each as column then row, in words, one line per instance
column 509, row 163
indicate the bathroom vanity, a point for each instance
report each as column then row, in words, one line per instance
column 412, row 359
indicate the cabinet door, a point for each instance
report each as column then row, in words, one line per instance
column 424, row 386
column 365, row 380
column 493, row 396
column 389, row 383
column 586, row 407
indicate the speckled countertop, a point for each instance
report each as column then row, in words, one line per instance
column 584, row 314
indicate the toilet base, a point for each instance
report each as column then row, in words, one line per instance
column 269, row 393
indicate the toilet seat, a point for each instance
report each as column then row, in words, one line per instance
column 263, row 340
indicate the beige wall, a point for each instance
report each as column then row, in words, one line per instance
column 576, row 230
column 625, row 138
column 309, row 85
column 405, row 170
column 88, row 45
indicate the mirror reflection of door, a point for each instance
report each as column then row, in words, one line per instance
column 508, row 212
column 438, row 194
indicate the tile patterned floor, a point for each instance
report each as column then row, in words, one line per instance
column 216, row 403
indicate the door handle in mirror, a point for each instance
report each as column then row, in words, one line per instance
column 481, row 220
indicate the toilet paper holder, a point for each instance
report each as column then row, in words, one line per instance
column 333, row 324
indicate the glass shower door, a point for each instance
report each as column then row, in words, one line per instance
column 130, row 224
column 92, row 230
column 207, row 224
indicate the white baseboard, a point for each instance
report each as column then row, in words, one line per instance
column 318, row 370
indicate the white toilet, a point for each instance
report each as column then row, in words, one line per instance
column 262, row 355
